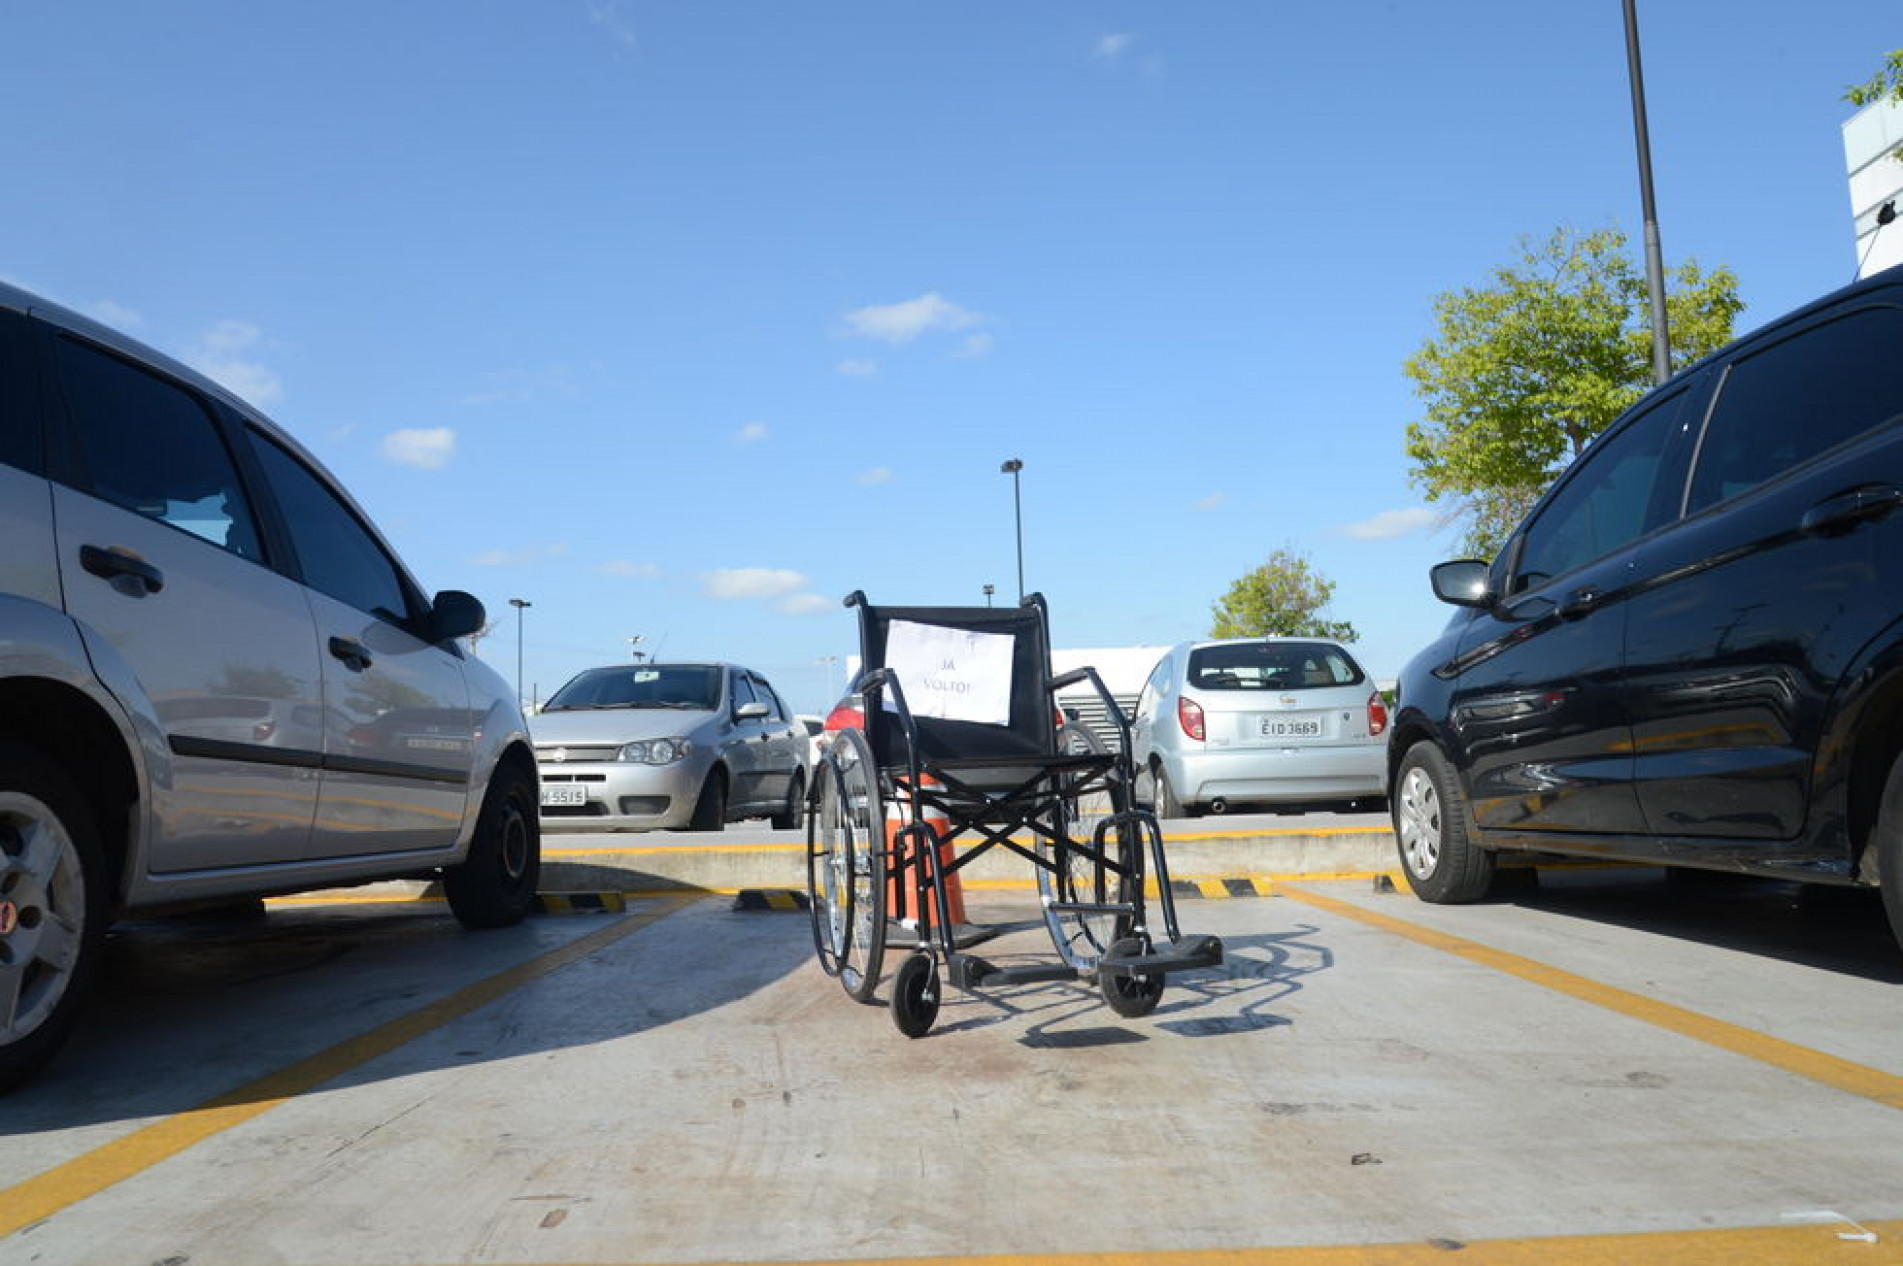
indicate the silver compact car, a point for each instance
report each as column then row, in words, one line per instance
column 643, row 747
column 217, row 680
column 1282, row 721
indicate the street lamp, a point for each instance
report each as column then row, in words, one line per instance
column 1011, row 468
column 1654, row 265
column 989, row 590
column 520, row 605
column 829, row 661
column 634, row 646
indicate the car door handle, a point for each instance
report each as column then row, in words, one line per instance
column 355, row 657
column 1581, row 602
column 1846, row 510
column 129, row 574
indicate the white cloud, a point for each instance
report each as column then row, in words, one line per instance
column 117, row 314
column 730, row 584
column 1111, row 47
column 806, row 604
column 1389, row 524
column 877, row 475
column 902, row 322
column 1213, row 500
column 518, row 557
column 607, row 15
column 751, row 433
column 858, row 368
column 974, row 345
column 216, row 354
column 426, row 448
column 627, row 567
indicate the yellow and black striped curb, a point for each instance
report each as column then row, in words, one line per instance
column 581, row 902
column 769, row 899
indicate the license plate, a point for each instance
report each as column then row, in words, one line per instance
column 564, row 795
column 1274, row 727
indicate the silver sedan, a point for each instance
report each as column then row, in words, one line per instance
column 642, row 747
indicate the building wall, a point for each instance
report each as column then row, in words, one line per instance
column 1870, row 137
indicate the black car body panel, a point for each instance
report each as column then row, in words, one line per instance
column 1710, row 670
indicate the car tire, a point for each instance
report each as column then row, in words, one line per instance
column 1167, row 805
column 495, row 885
column 1433, row 831
column 788, row 818
column 1889, row 842
column 710, row 810
column 52, row 909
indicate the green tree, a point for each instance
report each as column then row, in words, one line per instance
column 1522, row 373
column 1281, row 598
column 1885, row 85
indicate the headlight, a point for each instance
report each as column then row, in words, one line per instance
column 654, row 751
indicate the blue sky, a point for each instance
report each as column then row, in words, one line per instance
column 684, row 320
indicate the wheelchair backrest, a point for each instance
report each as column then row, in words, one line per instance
column 977, row 681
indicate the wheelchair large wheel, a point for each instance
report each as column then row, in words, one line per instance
column 1081, row 938
column 828, row 892
column 858, row 862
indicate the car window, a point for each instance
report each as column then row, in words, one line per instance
column 19, row 400
column 742, row 693
column 1271, row 666
column 693, row 687
column 1154, row 687
column 338, row 554
column 1791, row 401
column 767, row 695
column 153, row 447
column 1604, row 502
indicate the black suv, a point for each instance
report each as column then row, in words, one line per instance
column 1690, row 653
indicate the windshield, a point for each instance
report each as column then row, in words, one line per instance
column 1271, row 666
column 690, row 687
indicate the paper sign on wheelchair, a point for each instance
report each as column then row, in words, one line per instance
column 955, row 674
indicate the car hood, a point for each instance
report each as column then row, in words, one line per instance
column 617, row 725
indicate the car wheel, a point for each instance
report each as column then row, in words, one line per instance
column 788, row 818
column 1167, row 805
column 494, row 886
column 710, row 811
column 1433, row 831
column 1889, row 830
column 52, row 909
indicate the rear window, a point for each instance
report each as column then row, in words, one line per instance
column 1271, row 666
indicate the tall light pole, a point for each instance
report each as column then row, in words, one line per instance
column 1011, row 468
column 1654, row 265
column 989, row 590
column 634, row 646
column 828, row 661
column 520, row 605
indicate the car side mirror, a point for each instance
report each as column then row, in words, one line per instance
column 454, row 614
column 1462, row 583
column 750, row 711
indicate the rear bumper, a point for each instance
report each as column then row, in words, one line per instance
column 1280, row 775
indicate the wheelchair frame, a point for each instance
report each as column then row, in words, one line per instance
column 1092, row 889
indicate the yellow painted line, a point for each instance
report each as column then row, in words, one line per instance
column 1732, row 1246
column 1839, row 1074
column 64, row 1185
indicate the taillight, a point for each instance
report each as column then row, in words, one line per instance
column 845, row 717
column 1377, row 714
column 1189, row 714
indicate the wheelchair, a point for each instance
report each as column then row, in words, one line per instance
column 963, row 744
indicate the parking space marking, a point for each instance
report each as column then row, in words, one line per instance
column 42, row 1196
column 1840, row 1074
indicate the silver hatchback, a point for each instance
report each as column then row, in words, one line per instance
column 1282, row 721
column 642, row 747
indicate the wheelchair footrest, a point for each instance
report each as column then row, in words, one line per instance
column 1185, row 955
column 968, row 971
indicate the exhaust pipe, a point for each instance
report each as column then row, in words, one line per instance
column 1219, row 806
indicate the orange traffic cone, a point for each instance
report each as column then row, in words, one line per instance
column 902, row 888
